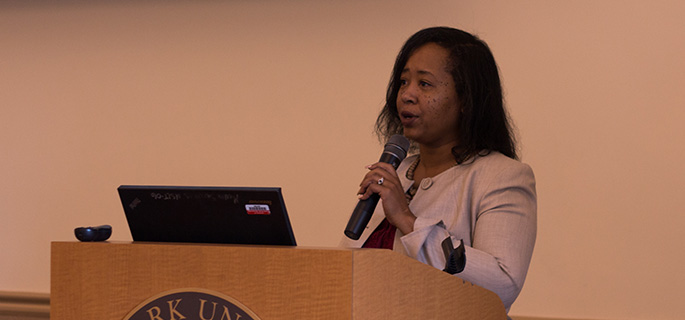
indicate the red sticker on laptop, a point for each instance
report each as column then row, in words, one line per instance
column 257, row 209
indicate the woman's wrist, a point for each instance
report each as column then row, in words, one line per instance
column 406, row 223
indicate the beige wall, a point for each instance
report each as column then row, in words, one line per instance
column 94, row 94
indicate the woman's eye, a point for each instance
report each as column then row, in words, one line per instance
column 424, row 84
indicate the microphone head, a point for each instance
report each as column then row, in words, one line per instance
column 397, row 145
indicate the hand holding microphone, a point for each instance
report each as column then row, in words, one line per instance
column 394, row 152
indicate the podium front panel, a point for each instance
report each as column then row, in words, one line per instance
column 108, row 280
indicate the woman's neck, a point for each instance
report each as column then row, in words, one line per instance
column 434, row 161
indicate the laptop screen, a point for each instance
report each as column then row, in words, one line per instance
column 231, row 215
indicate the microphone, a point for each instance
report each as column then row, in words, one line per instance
column 395, row 151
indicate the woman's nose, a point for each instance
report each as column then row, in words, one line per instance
column 407, row 93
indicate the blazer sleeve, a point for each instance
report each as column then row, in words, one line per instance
column 502, row 237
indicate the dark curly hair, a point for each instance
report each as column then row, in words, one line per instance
column 484, row 125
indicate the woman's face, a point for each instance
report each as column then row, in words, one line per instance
column 427, row 101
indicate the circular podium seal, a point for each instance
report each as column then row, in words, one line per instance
column 191, row 304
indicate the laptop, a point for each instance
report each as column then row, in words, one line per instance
column 230, row 215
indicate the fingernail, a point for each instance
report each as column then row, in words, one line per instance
column 360, row 195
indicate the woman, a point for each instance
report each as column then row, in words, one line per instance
column 465, row 182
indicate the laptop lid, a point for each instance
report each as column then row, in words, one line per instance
column 232, row 215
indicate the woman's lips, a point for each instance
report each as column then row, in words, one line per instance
column 407, row 118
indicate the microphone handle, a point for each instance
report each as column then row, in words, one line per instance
column 364, row 210
column 360, row 217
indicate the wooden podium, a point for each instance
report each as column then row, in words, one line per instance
column 109, row 280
